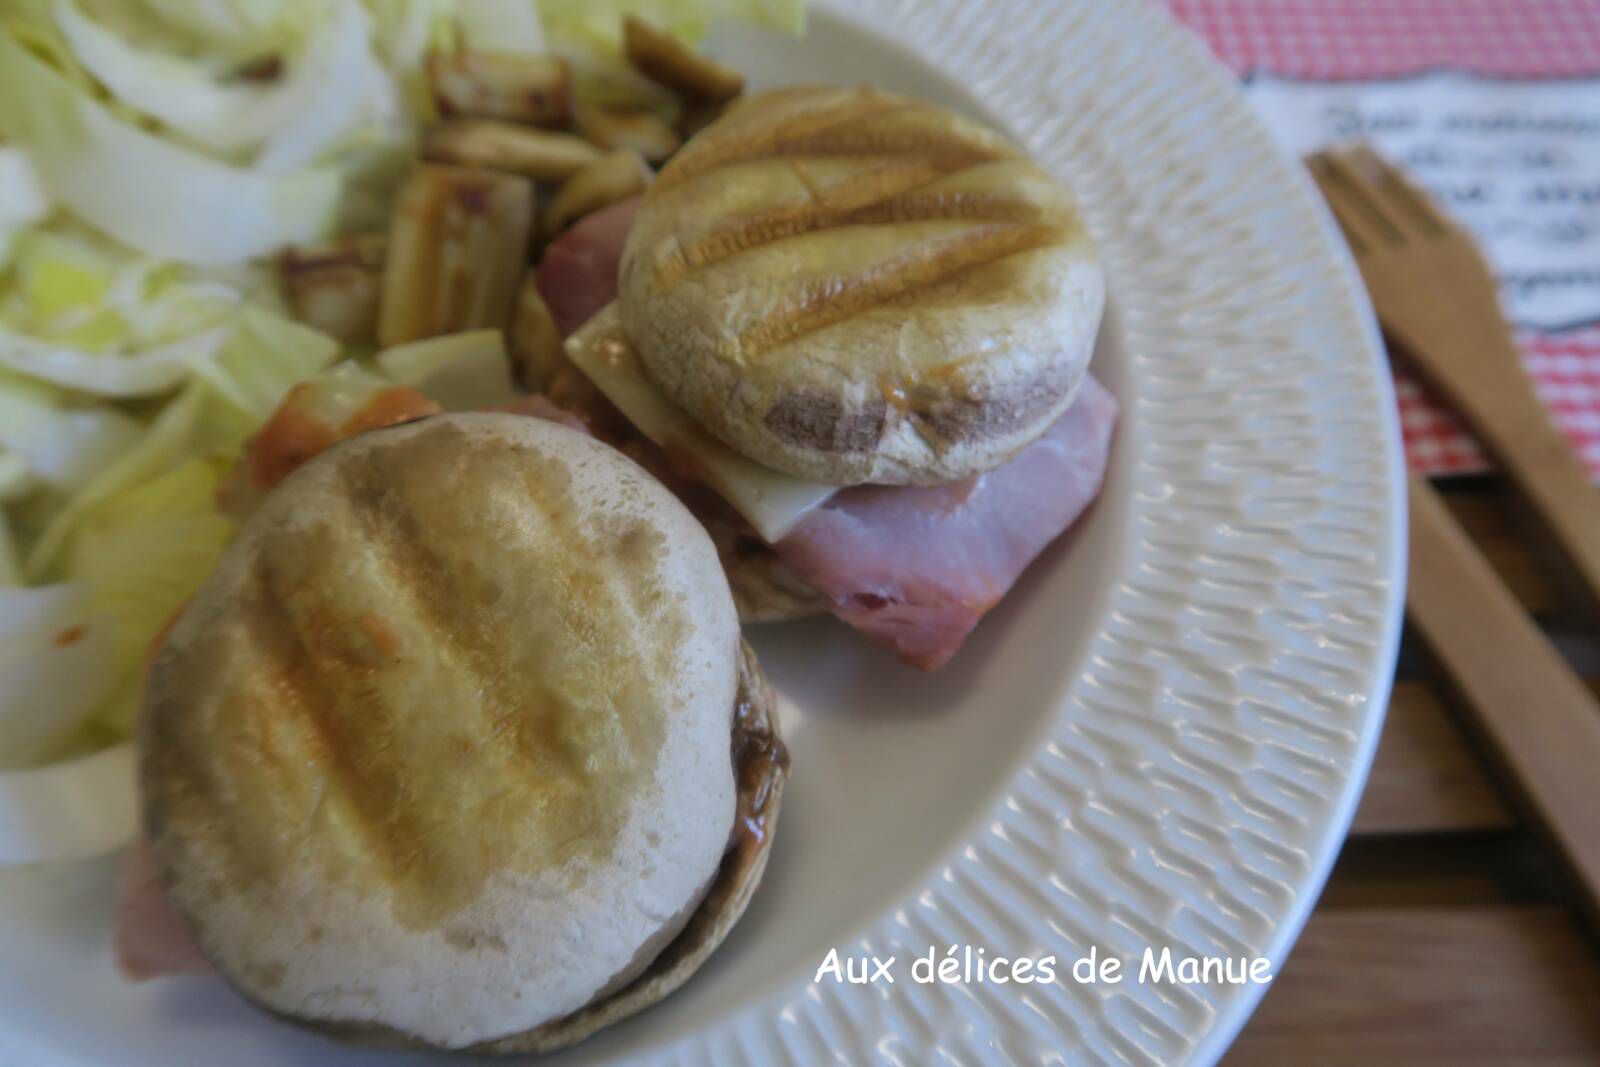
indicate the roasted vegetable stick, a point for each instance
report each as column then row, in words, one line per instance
column 537, row 354
column 611, row 128
column 457, row 245
column 665, row 59
column 617, row 176
column 538, row 154
column 335, row 287
column 531, row 89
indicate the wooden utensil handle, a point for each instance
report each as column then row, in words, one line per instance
column 1556, row 483
column 1537, row 715
column 1497, row 398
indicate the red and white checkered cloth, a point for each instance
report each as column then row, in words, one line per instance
column 1338, row 39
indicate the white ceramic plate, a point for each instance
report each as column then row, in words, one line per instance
column 1157, row 740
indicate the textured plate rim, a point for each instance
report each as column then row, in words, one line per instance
column 1225, row 1031
column 804, row 1018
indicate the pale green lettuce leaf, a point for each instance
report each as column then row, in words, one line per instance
column 23, row 200
column 166, row 443
column 81, row 290
column 231, row 392
column 10, row 562
column 55, row 648
column 60, row 290
column 141, row 554
column 16, row 480
column 330, row 85
column 501, row 25
column 406, row 30
column 266, row 354
column 233, row 29
column 60, row 443
column 184, row 94
column 335, row 86
column 149, row 193
column 33, row 25
column 148, row 372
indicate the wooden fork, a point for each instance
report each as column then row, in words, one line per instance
column 1434, row 295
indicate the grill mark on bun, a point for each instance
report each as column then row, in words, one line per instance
column 827, row 205
column 316, row 677
column 871, row 143
column 888, row 196
column 824, row 423
column 772, row 140
column 840, row 298
column 514, row 718
column 956, row 417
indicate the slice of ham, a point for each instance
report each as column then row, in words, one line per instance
column 916, row 568
column 578, row 274
column 151, row 940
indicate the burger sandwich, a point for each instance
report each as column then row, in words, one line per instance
column 459, row 747
column 853, row 331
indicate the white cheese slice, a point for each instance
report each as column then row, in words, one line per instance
column 771, row 501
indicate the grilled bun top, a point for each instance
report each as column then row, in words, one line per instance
column 855, row 287
column 443, row 745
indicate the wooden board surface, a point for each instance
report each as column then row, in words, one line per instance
column 1448, row 933
column 1426, row 777
column 1431, row 985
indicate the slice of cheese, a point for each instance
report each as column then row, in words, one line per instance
column 771, row 501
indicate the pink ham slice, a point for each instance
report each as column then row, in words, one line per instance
column 151, row 940
column 916, row 568
column 578, row 274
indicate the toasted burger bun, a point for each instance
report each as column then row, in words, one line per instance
column 858, row 287
column 761, row 765
column 441, row 751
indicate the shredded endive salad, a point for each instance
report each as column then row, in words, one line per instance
column 155, row 156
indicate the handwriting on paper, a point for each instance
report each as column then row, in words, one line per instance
column 1517, row 162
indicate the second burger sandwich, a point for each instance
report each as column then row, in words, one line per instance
column 865, row 324
column 459, row 747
